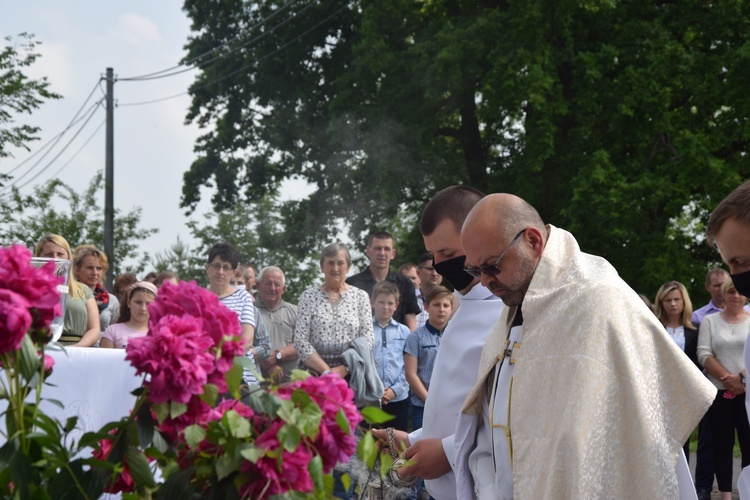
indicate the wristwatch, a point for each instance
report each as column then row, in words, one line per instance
column 278, row 355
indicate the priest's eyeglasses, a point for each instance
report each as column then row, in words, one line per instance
column 492, row 269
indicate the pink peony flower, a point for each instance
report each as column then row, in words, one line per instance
column 37, row 286
column 49, row 362
column 177, row 356
column 332, row 394
column 15, row 320
column 197, row 412
column 217, row 322
column 124, row 481
column 277, row 474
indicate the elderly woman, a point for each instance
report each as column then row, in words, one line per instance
column 89, row 266
column 81, row 321
column 721, row 342
column 331, row 315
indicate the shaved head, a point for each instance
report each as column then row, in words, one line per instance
column 504, row 223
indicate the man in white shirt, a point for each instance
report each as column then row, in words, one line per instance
column 431, row 448
column 729, row 229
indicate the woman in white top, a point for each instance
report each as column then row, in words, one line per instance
column 134, row 316
column 721, row 343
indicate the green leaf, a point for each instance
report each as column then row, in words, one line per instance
column 176, row 409
column 367, row 450
column 55, row 402
column 346, row 481
column 233, row 376
column 238, row 425
column 289, row 437
column 177, row 485
column 21, row 473
column 161, row 410
column 342, row 421
column 254, row 453
column 373, row 415
column 299, row 375
column 159, row 442
column 386, row 462
column 224, row 466
column 28, row 359
column 315, row 467
column 210, row 394
column 70, row 424
column 145, row 426
column 194, row 435
column 139, row 469
column 244, row 362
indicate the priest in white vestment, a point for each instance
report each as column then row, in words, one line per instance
column 581, row 393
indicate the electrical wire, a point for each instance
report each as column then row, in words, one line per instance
column 91, row 113
column 53, row 141
column 192, row 63
column 98, row 128
column 266, row 56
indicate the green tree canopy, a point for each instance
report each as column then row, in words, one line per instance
column 25, row 218
column 624, row 122
column 18, row 93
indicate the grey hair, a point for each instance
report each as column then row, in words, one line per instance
column 333, row 250
column 272, row 268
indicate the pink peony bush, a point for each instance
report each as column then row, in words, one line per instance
column 29, row 299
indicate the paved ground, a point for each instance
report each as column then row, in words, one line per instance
column 715, row 495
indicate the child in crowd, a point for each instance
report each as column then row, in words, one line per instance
column 134, row 316
column 390, row 338
column 421, row 349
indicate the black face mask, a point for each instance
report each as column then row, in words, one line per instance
column 452, row 270
column 741, row 282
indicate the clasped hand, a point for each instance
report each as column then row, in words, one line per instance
column 426, row 457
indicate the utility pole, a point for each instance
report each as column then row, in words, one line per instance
column 109, row 173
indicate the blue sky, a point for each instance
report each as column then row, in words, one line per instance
column 153, row 146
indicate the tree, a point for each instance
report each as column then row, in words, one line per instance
column 26, row 218
column 624, row 122
column 181, row 259
column 256, row 232
column 18, row 93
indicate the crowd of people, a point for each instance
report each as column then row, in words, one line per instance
column 540, row 367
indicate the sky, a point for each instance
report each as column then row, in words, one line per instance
column 153, row 146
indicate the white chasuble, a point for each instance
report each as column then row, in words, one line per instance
column 602, row 399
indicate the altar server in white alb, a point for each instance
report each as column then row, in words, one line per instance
column 581, row 393
column 430, row 449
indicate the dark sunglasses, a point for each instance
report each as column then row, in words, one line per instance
column 492, row 269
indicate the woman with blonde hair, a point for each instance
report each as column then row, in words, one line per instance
column 674, row 309
column 81, row 321
column 89, row 266
column 721, row 343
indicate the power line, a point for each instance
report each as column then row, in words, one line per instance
column 192, row 63
column 9, row 187
column 53, row 141
column 141, row 103
column 98, row 128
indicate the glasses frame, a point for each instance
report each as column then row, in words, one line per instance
column 492, row 269
column 216, row 266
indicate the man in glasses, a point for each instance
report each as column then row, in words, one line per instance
column 581, row 394
column 431, row 448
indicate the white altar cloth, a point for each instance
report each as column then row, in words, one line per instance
column 93, row 384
